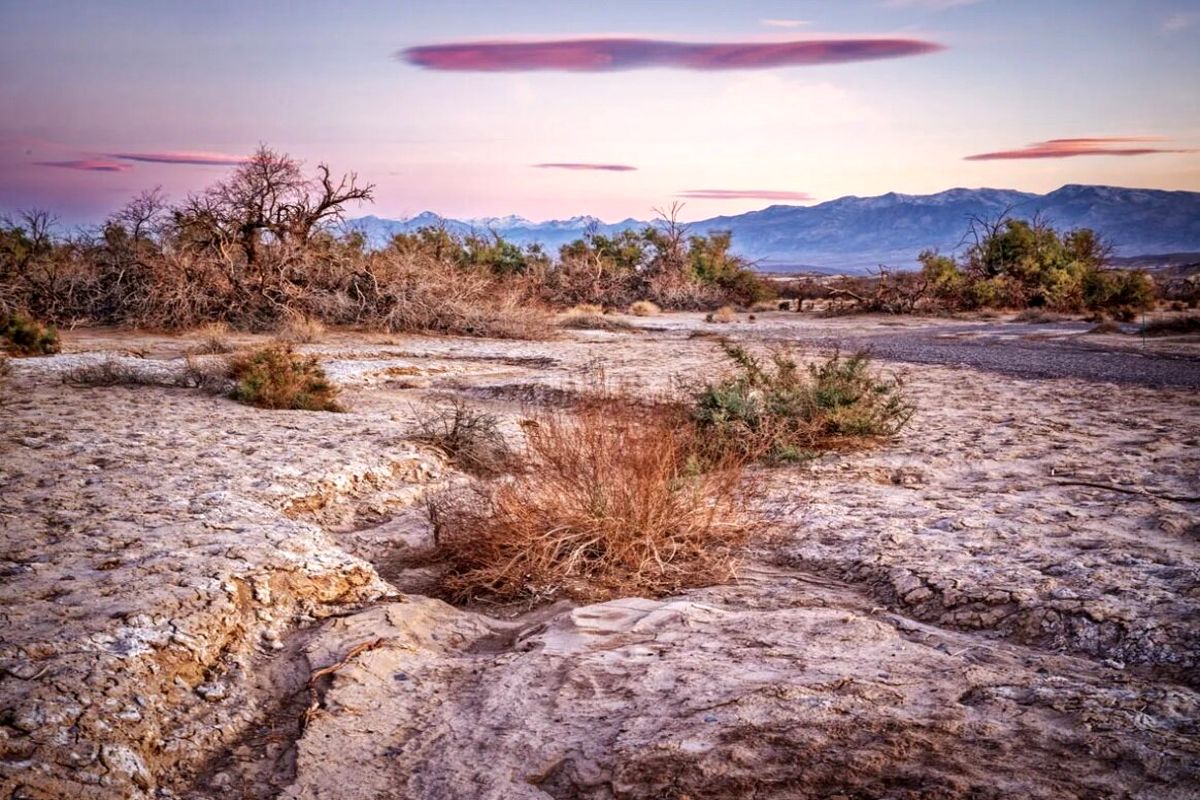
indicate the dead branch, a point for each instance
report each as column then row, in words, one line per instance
column 314, row 704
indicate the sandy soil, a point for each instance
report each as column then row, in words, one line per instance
column 205, row 600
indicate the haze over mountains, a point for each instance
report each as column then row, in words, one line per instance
column 854, row 234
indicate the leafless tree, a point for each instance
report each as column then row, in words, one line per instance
column 268, row 200
column 144, row 216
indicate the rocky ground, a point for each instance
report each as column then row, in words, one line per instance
column 205, row 600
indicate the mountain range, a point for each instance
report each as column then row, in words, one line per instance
column 856, row 234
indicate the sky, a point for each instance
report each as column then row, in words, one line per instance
column 472, row 108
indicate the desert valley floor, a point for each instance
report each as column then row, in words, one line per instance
column 205, row 600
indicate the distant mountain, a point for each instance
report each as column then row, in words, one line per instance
column 854, row 234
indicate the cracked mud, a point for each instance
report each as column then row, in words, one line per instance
column 205, row 600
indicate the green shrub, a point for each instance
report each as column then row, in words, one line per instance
column 276, row 377
column 780, row 412
column 1017, row 264
column 26, row 336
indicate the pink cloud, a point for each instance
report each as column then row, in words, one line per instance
column 573, row 165
column 204, row 159
column 604, row 55
column 87, row 165
column 744, row 194
column 1092, row 146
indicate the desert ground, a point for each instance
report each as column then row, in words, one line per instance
column 206, row 600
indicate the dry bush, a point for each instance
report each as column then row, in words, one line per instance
column 644, row 308
column 276, row 377
column 611, row 504
column 1172, row 326
column 586, row 320
column 214, row 339
column 723, row 315
column 415, row 292
column 213, row 375
column 470, row 438
column 1107, row 326
column 587, row 317
column 780, row 412
column 1039, row 316
column 25, row 336
column 301, row 329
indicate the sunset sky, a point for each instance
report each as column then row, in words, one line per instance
column 552, row 109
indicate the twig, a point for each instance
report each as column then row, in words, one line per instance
column 1131, row 490
column 314, row 704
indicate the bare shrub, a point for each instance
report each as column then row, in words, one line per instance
column 723, row 315
column 470, row 438
column 1107, row 326
column 276, row 377
column 581, row 318
column 213, row 375
column 612, row 504
column 1039, row 316
column 300, row 328
column 214, row 339
column 780, row 412
column 415, row 292
column 644, row 308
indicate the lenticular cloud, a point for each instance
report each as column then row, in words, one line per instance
column 202, row 159
column 612, row 54
column 1093, row 146
column 87, row 165
column 583, row 166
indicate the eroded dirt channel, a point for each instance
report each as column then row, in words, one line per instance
column 203, row 600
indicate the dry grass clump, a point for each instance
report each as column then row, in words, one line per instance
column 1172, row 326
column 214, row 339
column 780, row 412
column 591, row 317
column 611, row 504
column 25, row 336
column 723, row 315
column 1107, row 326
column 470, row 438
column 301, row 329
column 1039, row 316
column 276, row 377
column 644, row 308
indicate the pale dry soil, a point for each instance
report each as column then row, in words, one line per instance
column 205, row 600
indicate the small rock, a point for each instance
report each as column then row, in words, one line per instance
column 212, row 691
